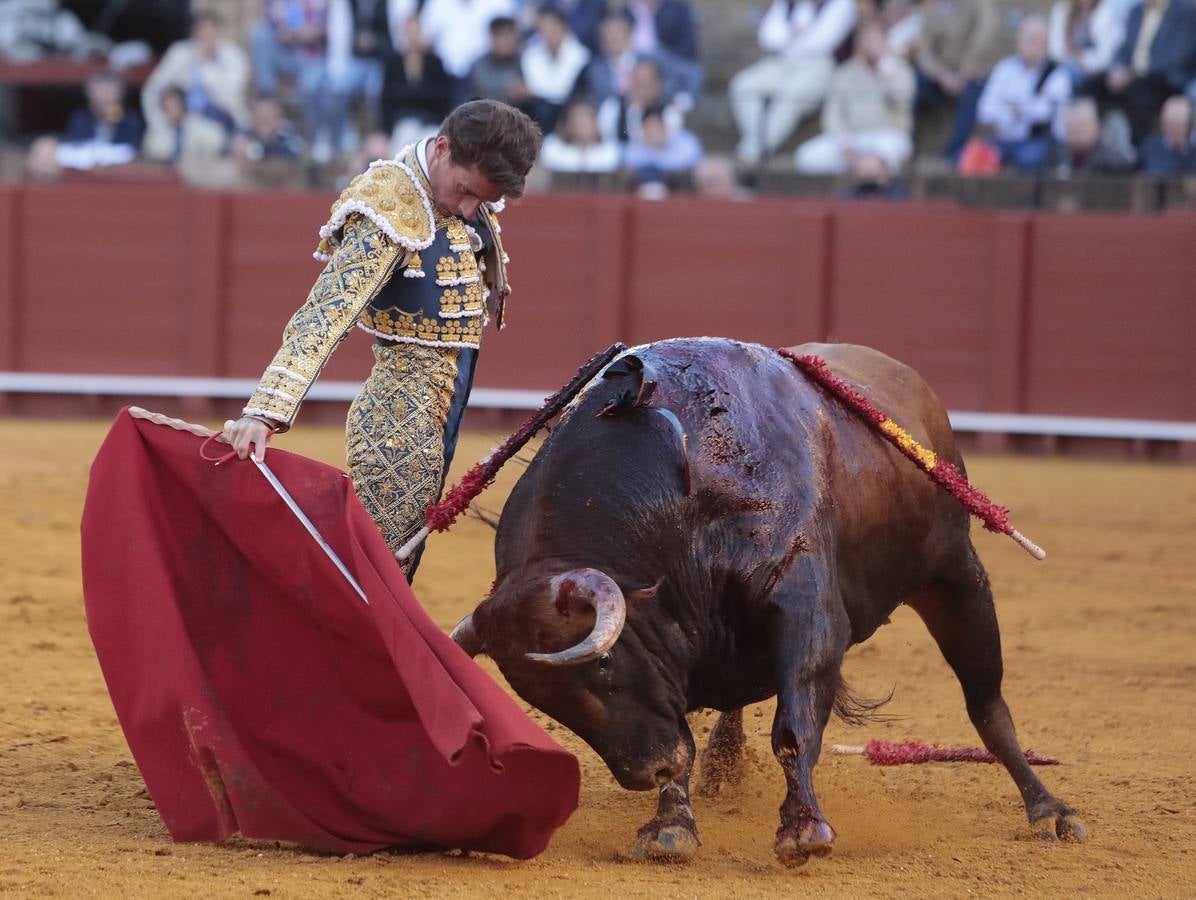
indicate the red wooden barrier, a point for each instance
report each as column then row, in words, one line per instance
column 1085, row 315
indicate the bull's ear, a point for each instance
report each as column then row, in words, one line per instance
column 643, row 595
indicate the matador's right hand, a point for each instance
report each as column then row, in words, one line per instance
column 245, row 432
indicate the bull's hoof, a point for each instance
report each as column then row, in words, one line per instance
column 797, row 843
column 1055, row 821
column 669, row 843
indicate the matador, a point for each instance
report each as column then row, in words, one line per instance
column 414, row 256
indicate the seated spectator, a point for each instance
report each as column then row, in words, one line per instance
column 667, row 26
column 458, row 30
column 770, row 97
column 359, row 43
column 608, row 74
column 269, row 152
column 1023, row 97
column 552, row 62
column 667, row 32
column 871, row 178
column 104, row 133
column 956, row 49
column 585, row 19
column 714, row 177
column 660, row 154
column 213, row 75
column 619, row 117
column 577, row 146
column 1156, row 59
column 417, row 92
column 290, row 41
column 1085, row 148
column 1172, row 150
column 1084, row 35
column 105, row 119
column 164, row 136
column 375, row 145
column 903, row 24
column 869, row 109
column 269, row 135
column 41, row 162
column 499, row 74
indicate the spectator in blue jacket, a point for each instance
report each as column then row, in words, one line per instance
column 1172, row 150
column 585, row 17
column 667, row 31
column 105, row 119
column 1156, row 59
column 668, row 25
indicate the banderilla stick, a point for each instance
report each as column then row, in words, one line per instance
column 440, row 516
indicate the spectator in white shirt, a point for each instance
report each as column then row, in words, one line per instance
column 770, row 97
column 869, row 110
column 1023, row 98
column 459, row 30
column 1085, row 35
column 578, row 146
column 552, row 62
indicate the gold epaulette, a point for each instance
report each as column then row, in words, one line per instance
column 389, row 195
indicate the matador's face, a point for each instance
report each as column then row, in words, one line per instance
column 457, row 190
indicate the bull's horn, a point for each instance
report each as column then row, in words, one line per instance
column 466, row 636
column 598, row 590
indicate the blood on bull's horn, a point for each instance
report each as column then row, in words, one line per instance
column 466, row 636
column 596, row 589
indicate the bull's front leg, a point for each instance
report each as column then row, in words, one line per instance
column 808, row 655
column 672, row 834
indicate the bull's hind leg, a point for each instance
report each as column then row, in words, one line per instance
column 671, row 834
column 722, row 760
column 958, row 610
column 808, row 650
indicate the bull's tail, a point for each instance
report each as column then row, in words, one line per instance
column 942, row 472
column 856, row 709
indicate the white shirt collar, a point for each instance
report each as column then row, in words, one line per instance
column 421, row 156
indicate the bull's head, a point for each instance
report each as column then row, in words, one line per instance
column 587, row 672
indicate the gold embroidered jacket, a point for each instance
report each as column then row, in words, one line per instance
column 384, row 222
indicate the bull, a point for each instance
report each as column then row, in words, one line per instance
column 706, row 528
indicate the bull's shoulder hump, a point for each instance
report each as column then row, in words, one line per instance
column 857, row 362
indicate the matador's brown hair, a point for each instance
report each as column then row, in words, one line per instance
column 497, row 138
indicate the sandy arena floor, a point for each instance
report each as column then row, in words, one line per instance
column 1100, row 670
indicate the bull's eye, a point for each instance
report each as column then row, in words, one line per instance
column 604, row 662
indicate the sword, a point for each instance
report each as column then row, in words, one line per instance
column 307, row 523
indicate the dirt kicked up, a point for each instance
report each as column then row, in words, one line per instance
column 1100, row 671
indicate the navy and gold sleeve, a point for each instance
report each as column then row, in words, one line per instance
column 358, row 268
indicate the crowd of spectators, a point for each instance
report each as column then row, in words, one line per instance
column 1094, row 86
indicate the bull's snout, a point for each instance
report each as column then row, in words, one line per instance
column 644, row 775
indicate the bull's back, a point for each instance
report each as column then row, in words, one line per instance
column 894, row 388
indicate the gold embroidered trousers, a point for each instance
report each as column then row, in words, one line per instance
column 395, row 436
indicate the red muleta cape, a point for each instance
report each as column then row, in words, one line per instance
column 259, row 694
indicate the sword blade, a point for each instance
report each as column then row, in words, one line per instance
column 307, row 523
